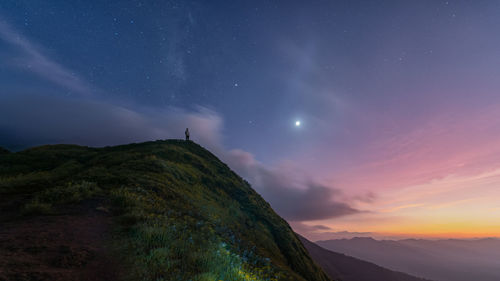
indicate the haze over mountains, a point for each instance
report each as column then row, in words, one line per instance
column 345, row 268
column 444, row 260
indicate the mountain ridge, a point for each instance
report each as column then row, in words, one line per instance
column 346, row 268
column 442, row 259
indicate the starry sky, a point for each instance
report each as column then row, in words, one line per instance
column 398, row 101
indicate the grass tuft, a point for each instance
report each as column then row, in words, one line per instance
column 37, row 208
column 43, row 202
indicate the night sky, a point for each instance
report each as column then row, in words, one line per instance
column 398, row 101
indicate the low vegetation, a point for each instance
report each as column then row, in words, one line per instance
column 180, row 213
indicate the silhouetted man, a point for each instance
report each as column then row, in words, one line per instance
column 187, row 134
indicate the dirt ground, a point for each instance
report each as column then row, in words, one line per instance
column 68, row 246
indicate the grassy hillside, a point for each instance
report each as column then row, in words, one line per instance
column 180, row 213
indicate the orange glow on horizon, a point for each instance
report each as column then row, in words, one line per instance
column 457, row 206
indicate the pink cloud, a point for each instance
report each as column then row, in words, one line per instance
column 455, row 144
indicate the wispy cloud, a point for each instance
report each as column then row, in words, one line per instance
column 323, row 232
column 397, row 208
column 33, row 59
column 454, row 203
column 38, row 120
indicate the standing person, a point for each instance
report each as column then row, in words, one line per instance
column 187, row 134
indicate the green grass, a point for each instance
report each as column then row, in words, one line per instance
column 42, row 202
column 69, row 193
column 168, row 245
column 180, row 213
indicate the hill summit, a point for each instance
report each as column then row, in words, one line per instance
column 172, row 211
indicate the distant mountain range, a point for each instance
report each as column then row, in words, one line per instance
column 442, row 260
column 345, row 268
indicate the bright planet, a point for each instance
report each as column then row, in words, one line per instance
column 297, row 123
